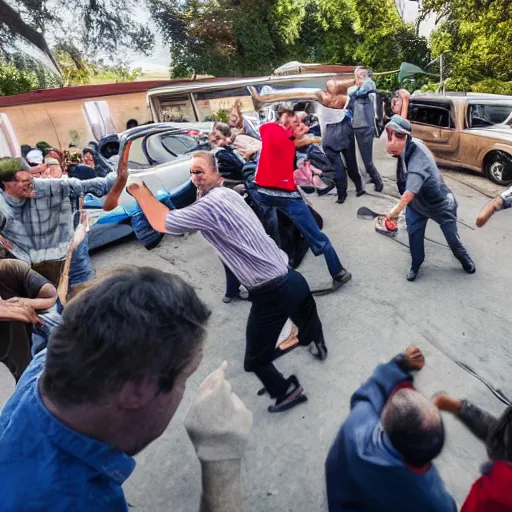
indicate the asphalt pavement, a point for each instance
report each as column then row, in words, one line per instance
column 452, row 316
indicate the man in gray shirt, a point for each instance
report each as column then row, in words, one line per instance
column 426, row 196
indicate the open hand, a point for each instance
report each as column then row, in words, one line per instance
column 218, row 423
column 415, row 358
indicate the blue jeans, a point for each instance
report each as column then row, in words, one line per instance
column 51, row 318
column 81, row 265
column 447, row 220
column 300, row 214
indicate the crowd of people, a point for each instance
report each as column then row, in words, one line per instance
column 101, row 364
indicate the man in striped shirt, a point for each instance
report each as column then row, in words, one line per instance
column 276, row 291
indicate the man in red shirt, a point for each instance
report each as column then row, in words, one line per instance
column 276, row 188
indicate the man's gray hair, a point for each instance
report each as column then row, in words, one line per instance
column 209, row 157
column 414, row 426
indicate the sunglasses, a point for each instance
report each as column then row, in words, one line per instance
column 196, row 172
column 398, row 135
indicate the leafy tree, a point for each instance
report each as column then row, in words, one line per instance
column 20, row 74
column 476, row 36
column 95, row 26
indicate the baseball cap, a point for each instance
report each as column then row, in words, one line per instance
column 399, row 124
column 51, row 161
column 35, row 157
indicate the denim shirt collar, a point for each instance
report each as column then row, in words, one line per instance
column 382, row 439
column 107, row 460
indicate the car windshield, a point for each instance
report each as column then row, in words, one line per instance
column 482, row 114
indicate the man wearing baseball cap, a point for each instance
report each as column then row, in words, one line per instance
column 426, row 196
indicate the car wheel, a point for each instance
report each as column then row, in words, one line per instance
column 498, row 168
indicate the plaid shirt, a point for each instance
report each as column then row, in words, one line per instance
column 41, row 229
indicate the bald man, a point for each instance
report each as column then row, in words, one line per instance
column 381, row 460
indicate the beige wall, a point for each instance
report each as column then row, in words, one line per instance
column 62, row 122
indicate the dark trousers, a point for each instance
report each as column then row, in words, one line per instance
column 341, row 171
column 339, row 139
column 416, row 225
column 364, row 137
column 299, row 213
column 15, row 347
column 272, row 305
column 232, row 283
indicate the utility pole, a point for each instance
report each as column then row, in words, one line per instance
column 441, row 62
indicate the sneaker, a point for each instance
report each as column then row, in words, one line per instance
column 412, row 275
column 343, row 277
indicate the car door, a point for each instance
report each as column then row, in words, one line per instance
column 434, row 124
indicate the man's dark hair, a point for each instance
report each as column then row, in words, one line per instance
column 9, row 167
column 414, row 427
column 223, row 128
column 499, row 441
column 284, row 108
column 131, row 123
column 134, row 324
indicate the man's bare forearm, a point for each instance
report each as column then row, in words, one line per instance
column 46, row 299
column 153, row 209
column 112, row 199
column 406, row 198
column 222, row 486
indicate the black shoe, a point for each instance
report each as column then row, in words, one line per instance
column 226, row 299
column 360, row 193
column 470, row 268
column 308, row 189
column 341, row 199
column 343, row 277
column 318, row 349
column 379, row 186
column 412, row 275
column 325, row 190
column 294, row 396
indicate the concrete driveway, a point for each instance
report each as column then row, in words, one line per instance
column 452, row 316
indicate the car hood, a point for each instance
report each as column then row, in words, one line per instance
column 500, row 132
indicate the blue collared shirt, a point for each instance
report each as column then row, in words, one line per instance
column 45, row 465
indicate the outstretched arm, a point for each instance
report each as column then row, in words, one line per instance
column 112, row 199
column 219, row 424
column 478, row 421
column 406, row 198
column 153, row 209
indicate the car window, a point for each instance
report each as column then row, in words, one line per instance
column 176, row 108
column 178, row 144
column 219, row 102
column 429, row 114
column 481, row 114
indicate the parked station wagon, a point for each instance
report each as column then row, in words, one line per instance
column 472, row 131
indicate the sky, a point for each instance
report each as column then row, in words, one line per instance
column 159, row 61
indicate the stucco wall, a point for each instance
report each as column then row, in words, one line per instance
column 62, row 122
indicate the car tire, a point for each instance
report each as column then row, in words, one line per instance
column 498, row 167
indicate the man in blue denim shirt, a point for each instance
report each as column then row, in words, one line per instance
column 381, row 458
column 108, row 384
